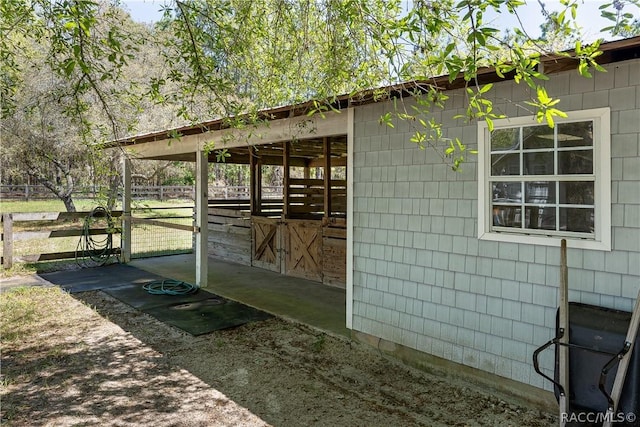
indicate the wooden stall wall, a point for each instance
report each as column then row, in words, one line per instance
column 334, row 252
column 230, row 231
column 307, row 197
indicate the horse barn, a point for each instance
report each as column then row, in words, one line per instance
column 455, row 270
column 303, row 233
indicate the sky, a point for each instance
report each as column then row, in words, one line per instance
column 588, row 15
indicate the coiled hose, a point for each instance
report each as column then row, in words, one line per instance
column 92, row 250
column 170, row 287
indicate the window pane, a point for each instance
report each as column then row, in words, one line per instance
column 538, row 163
column 577, row 219
column 537, row 137
column 578, row 134
column 507, row 192
column 541, row 192
column 574, row 162
column 505, row 139
column 505, row 164
column 507, row 216
column 539, row 218
column 577, row 193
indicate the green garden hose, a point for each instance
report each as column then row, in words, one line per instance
column 92, row 251
column 170, row 287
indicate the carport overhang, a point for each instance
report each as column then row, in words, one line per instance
column 200, row 144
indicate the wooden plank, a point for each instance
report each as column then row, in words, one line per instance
column 307, row 182
column 305, row 209
column 56, row 255
column 300, row 190
column 230, row 229
column 335, row 162
column 334, row 262
column 335, row 222
column 32, row 235
column 229, row 253
column 225, row 220
column 231, row 240
column 125, row 240
column 165, row 224
column 7, row 240
column 229, row 212
column 160, row 208
column 335, row 233
column 55, row 216
column 242, row 202
column 563, row 323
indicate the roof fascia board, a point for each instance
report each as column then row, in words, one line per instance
column 300, row 127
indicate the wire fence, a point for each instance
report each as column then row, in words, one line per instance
column 151, row 240
column 28, row 192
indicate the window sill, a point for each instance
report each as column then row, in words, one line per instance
column 553, row 241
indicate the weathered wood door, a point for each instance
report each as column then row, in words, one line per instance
column 303, row 247
column 266, row 243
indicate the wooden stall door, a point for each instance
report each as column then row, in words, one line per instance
column 334, row 252
column 266, row 243
column 303, row 245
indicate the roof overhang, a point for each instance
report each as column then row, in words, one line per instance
column 293, row 122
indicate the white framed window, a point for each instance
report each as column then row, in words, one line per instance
column 538, row 184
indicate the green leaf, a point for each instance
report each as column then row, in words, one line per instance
column 486, row 88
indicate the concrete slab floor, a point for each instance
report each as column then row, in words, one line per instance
column 300, row 300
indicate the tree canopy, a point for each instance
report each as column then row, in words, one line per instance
column 231, row 58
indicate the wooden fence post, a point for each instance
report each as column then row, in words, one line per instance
column 7, row 240
column 125, row 235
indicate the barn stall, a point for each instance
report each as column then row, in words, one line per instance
column 303, row 231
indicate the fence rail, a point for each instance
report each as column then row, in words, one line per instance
column 139, row 192
column 52, row 236
column 46, row 223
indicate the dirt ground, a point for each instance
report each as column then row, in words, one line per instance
column 92, row 360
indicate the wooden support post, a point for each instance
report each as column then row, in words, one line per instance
column 326, row 148
column 253, row 205
column 201, row 226
column 563, row 350
column 7, row 240
column 255, row 182
column 125, row 236
column 258, row 184
column 286, row 153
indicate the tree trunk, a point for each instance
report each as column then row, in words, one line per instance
column 68, row 203
column 62, row 190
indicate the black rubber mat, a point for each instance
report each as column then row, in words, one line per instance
column 207, row 315
column 134, row 295
column 98, row 278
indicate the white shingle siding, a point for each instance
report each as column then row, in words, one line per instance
column 422, row 278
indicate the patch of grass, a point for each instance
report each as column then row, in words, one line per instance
column 19, row 308
column 52, row 205
column 318, row 344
